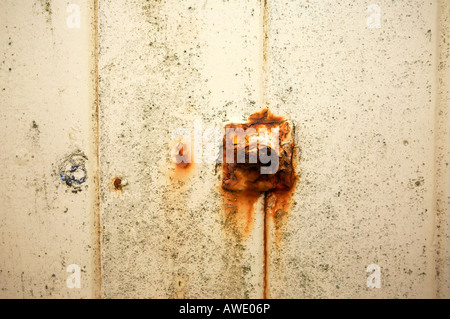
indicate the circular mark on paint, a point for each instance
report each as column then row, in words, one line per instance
column 73, row 171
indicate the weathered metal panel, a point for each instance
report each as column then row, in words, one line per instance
column 363, row 98
column 366, row 101
column 365, row 85
column 46, row 101
column 164, row 65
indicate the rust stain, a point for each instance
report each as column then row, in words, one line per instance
column 252, row 138
column 265, row 81
column 118, row 184
column 183, row 159
column 244, row 181
column 276, row 207
column 183, row 154
column 247, row 176
column 239, row 208
column 178, row 175
column 266, row 253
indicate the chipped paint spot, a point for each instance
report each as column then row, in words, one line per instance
column 73, row 171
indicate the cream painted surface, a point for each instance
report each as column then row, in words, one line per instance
column 371, row 109
column 442, row 151
column 365, row 102
column 46, row 105
column 163, row 65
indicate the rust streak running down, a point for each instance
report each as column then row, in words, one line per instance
column 244, row 182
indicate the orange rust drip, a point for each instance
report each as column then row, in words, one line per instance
column 183, row 172
column 266, row 252
column 243, row 183
column 239, row 208
column 276, row 206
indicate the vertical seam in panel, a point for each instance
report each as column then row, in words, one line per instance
column 97, row 226
column 265, row 77
column 266, row 250
column 440, row 136
column 265, row 67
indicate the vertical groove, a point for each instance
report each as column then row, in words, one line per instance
column 266, row 251
column 265, row 67
column 441, row 145
column 97, row 225
column 265, row 77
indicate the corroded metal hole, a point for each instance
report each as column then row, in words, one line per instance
column 262, row 152
column 258, row 159
column 117, row 182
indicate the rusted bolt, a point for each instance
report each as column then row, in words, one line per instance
column 117, row 183
column 258, row 159
column 258, row 154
